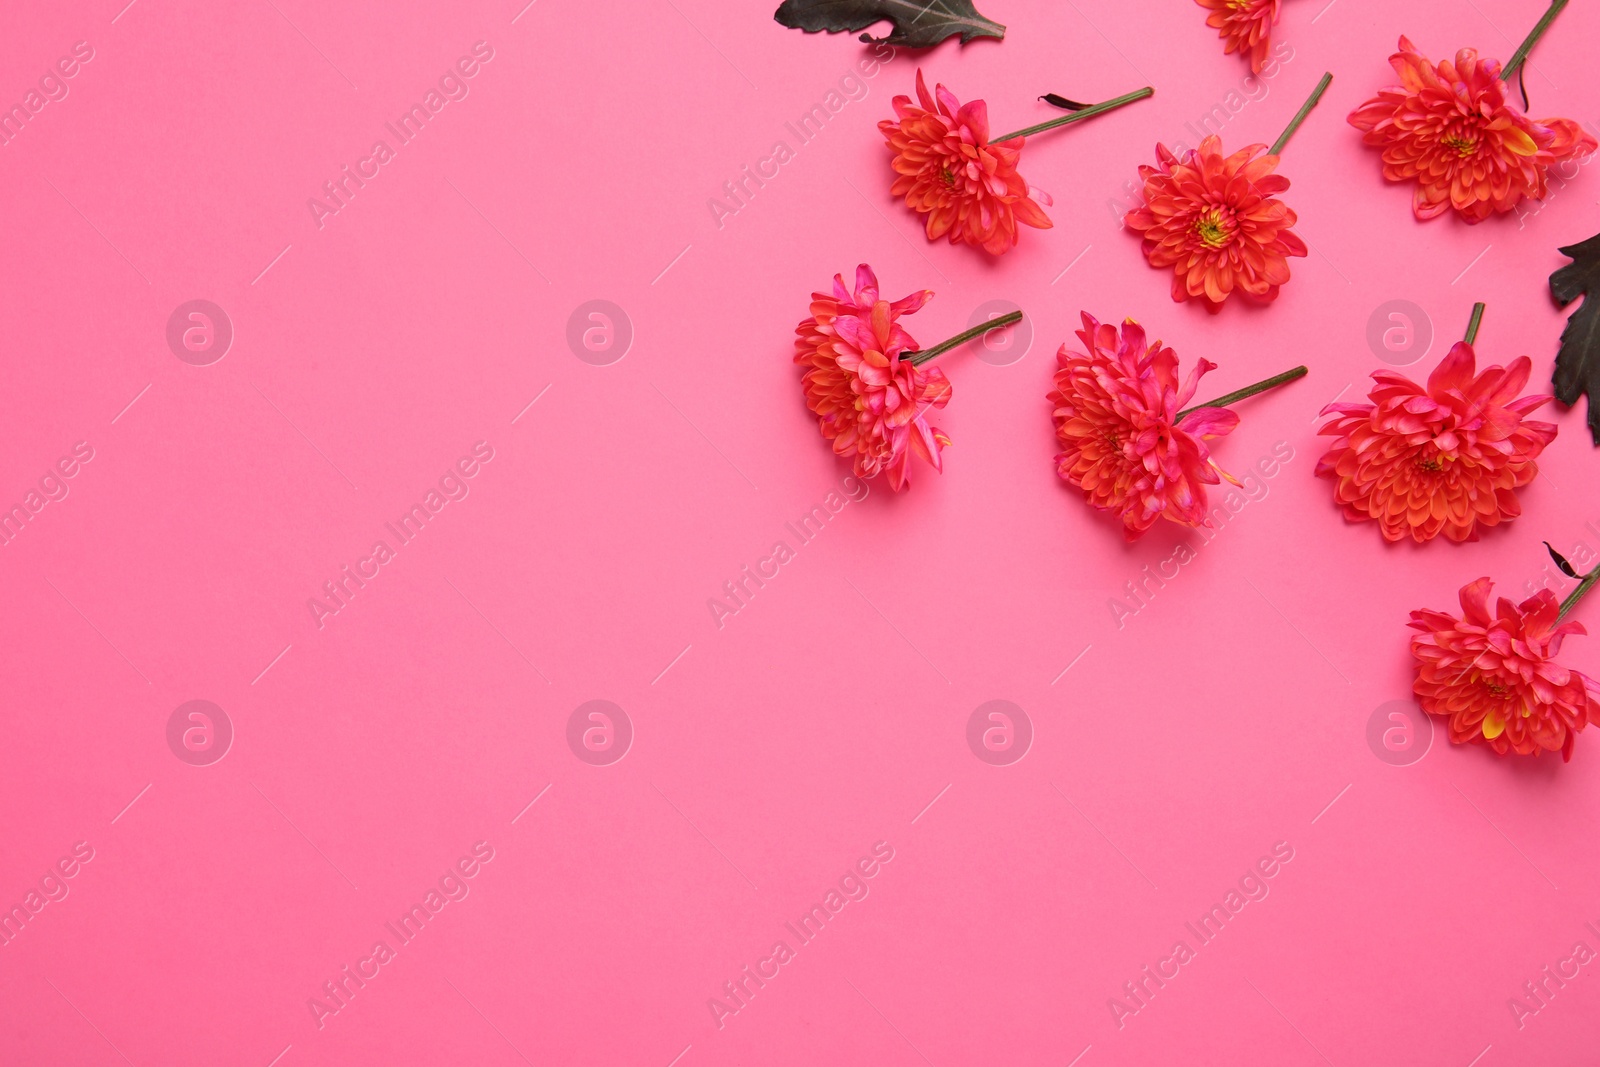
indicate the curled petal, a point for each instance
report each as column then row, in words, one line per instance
column 1209, row 422
column 946, row 170
column 869, row 403
column 1445, row 459
column 1453, row 130
column 1113, row 406
column 1493, row 678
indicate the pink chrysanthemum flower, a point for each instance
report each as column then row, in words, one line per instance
column 1451, row 128
column 1494, row 677
column 1246, row 26
column 1443, row 459
column 1216, row 222
column 947, row 170
column 868, row 401
column 1116, row 417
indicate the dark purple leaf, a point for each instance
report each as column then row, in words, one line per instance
column 1578, row 359
column 917, row 23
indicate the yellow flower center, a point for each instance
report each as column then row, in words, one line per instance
column 1430, row 459
column 1461, row 144
column 1494, row 721
column 948, row 176
column 1213, row 229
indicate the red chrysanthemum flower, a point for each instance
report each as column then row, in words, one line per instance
column 947, row 170
column 1116, row 407
column 1451, row 128
column 1216, row 221
column 1446, row 459
column 1494, row 677
column 1246, row 26
column 868, row 401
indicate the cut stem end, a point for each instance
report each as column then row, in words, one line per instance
column 1249, row 390
column 1079, row 116
column 919, row 358
column 1300, row 116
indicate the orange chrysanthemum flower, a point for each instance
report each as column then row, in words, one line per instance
column 1450, row 128
column 868, row 401
column 947, row 170
column 1446, row 459
column 1495, row 678
column 1116, row 417
column 1216, row 221
column 1246, row 26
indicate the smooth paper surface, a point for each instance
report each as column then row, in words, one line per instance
column 409, row 384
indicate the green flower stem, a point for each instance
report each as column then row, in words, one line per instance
column 1249, row 390
column 919, row 358
column 1078, row 116
column 1472, row 325
column 1300, row 116
column 1532, row 39
column 1577, row 594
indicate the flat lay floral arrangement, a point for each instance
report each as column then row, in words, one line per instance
column 1436, row 463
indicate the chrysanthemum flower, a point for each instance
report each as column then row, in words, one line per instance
column 1216, row 222
column 947, row 170
column 1451, row 128
column 1116, row 417
column 868, row 401
column 1246, row 26
column 1494, row 677
column 1443, row 459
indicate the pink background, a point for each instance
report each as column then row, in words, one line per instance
column 1228, row 714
